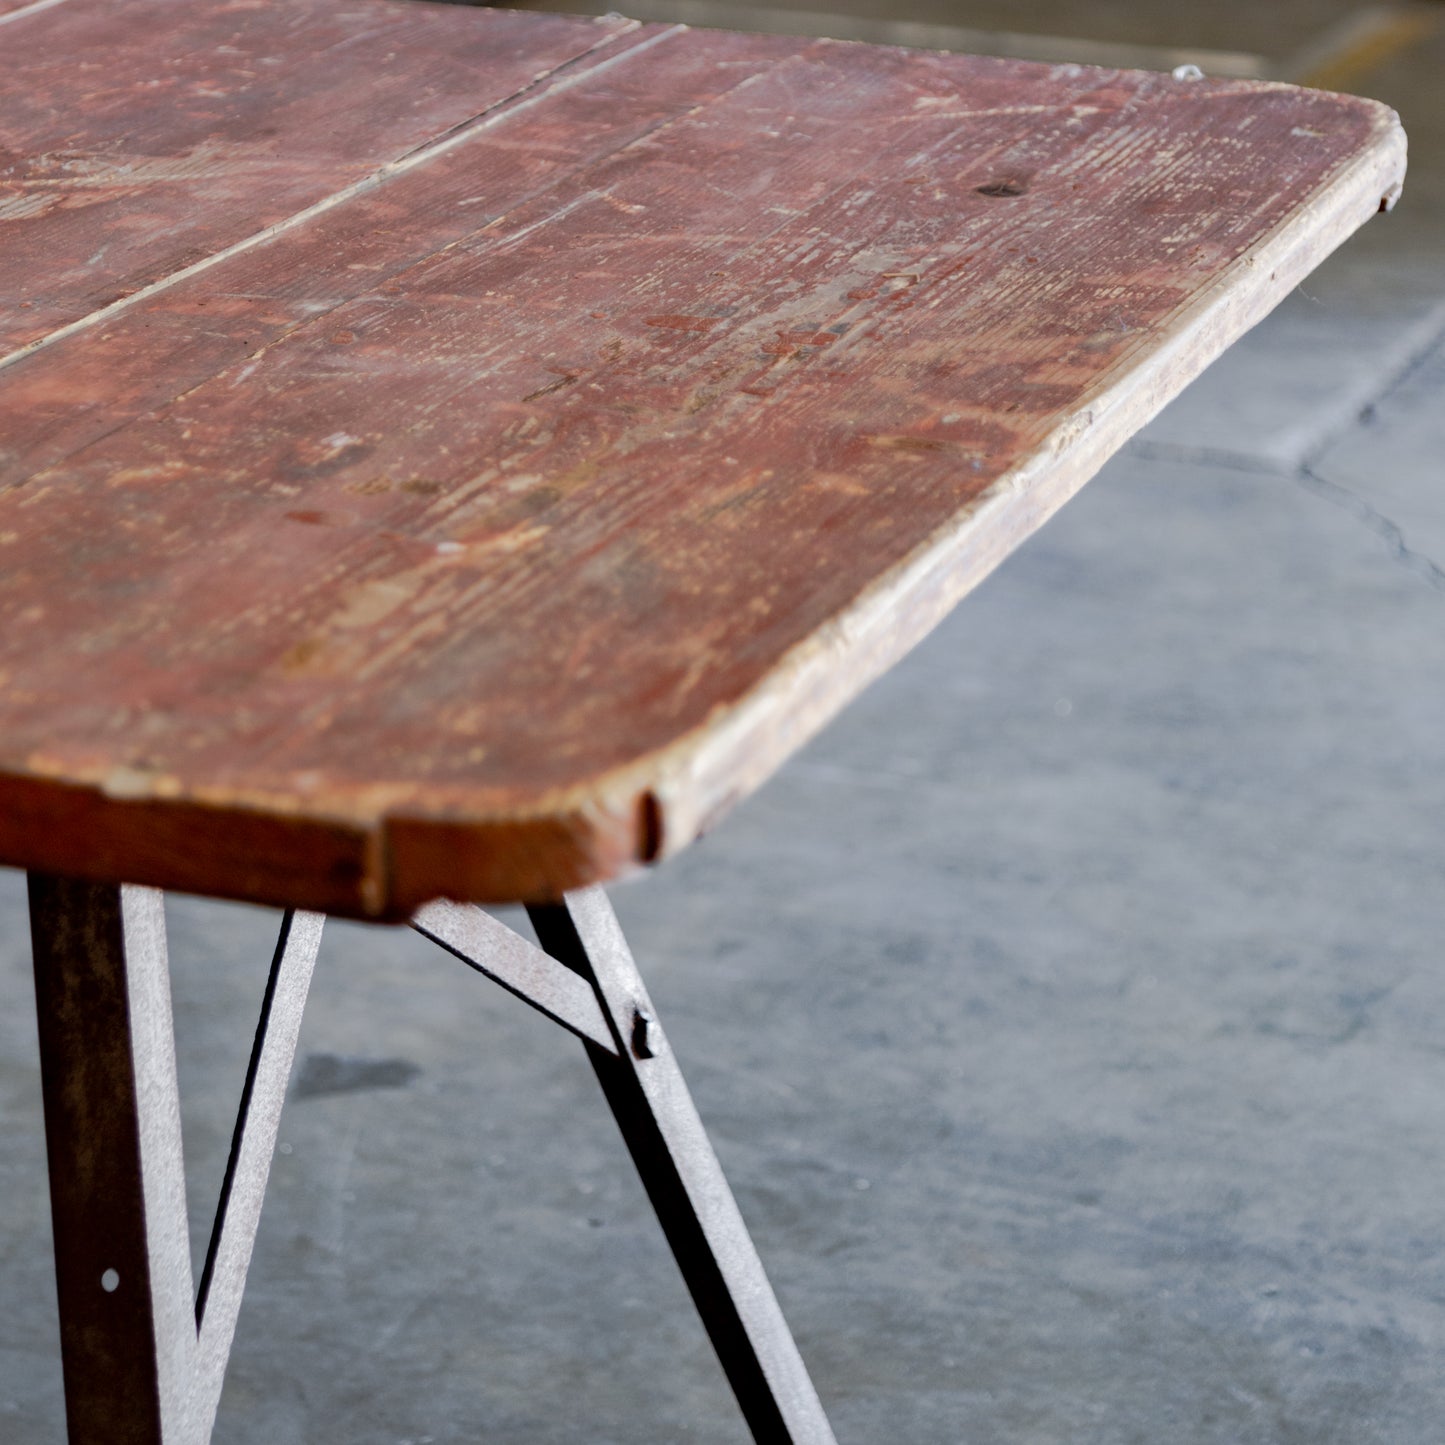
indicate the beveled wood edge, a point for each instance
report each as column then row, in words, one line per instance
column 255, row 848
column 384, row 859
column 698, row 777
column 695, row 780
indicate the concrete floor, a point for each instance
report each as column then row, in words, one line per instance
column 1068, row 1017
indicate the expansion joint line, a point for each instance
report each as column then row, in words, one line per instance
column 1388, row 531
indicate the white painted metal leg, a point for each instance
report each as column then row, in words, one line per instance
column 137, row 1369
column 709, row 1239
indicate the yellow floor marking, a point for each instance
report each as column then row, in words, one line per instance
column 1369, row 40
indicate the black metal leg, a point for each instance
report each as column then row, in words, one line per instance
column 684, row 1180
column 143, row 1358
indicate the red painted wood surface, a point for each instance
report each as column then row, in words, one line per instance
column 149, row 134
column 491, row 526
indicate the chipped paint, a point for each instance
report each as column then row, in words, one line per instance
column 399, row 545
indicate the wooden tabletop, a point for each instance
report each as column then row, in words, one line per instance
column 456, row 451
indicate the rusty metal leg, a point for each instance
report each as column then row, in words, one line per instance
column 117, row 1188
column 141, row 1367
column 684, row 1180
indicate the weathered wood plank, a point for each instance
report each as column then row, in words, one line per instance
column 183, row 333
column 141, row 136
column 490, row 532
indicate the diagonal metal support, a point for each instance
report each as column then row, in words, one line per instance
column 495, row 951
column 587, row 982
column 684, row 1180
column 253, row 1145
column 138, row 1369
column 145, row 1357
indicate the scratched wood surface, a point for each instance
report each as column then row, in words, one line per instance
column 150, row 134
column 460, row 452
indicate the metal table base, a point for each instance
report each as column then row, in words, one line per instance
column 145, row 1346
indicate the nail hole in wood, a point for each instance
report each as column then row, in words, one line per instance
column 1002, row 188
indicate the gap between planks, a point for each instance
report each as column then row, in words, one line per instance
column 458, row 135
column 28, row 10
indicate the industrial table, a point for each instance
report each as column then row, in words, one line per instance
column 451, row 456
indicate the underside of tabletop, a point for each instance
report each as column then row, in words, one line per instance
column 462, row 452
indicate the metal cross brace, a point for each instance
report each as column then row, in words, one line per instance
column 613, row 1015
column 145, row 1351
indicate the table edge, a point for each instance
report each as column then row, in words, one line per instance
column 382, row 862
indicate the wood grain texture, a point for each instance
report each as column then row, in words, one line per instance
column 492, row 527
column 141, row 136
